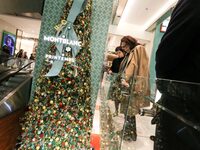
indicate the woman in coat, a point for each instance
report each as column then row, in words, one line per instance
column 135, row 75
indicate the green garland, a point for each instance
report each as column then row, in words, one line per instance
column 60, row 116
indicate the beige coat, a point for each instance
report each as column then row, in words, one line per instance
column 137, row 68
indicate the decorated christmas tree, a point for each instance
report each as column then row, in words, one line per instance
column 60, row 116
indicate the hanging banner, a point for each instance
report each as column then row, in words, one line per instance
column 66, row 38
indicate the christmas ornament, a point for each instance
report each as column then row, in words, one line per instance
column 60, row 115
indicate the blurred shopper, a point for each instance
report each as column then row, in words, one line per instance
column 19, row 57
column 114, row 70
column 178, row 60
column 133, row 67
column 20, row 53
column 32, row 57
column 5, row 54
column 135, row 76
column 25, row 55
column 117, row 61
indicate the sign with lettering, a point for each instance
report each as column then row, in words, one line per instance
column 65, row 39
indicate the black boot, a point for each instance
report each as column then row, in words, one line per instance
column 130, row 129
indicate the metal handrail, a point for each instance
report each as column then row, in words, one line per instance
column 4, row 78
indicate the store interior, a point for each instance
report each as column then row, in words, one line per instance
column 143, row 19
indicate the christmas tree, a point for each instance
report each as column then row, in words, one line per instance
column 60, row 116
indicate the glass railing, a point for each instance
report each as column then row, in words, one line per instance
column 16, row 63
column 147, row 113
column 15, row 83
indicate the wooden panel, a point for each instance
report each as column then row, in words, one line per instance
column 9, row 130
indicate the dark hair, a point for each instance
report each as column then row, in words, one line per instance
column 5, row 49
column 118, row 48
column 132, row 42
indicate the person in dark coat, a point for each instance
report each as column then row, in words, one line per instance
column 20, row 53
column 117, row 61
column 178, row 79
column 114, row 70
column 5, row 54
column 25, row 55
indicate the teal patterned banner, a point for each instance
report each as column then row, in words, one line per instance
column 51, row 16
column 101, row 16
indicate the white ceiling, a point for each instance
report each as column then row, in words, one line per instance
column 142, row 13
column 142, row 10
column 29, row 26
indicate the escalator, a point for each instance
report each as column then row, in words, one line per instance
column 15, row 87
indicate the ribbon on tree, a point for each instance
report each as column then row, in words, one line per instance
column 67, row 31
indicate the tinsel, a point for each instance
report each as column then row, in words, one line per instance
column 60, row 116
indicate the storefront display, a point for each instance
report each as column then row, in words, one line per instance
column 60, row 115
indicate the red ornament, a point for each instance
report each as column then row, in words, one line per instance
column 60, row 105
column 63, row 144
column 68, row 129
column 41, row 135
column 51, row 86
column 68, row 79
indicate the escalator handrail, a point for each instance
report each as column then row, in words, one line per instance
column 14, row 73
column 9, row 59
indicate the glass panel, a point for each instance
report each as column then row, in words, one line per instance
column 16, row 63
column 168, row 109
column 12, row 73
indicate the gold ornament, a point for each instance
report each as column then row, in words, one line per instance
column 57, row 139
column 66, row 144
column 36, row 100
column 38, row 147
column 57, row 148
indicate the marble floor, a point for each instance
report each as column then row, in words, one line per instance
column 143, row 124
column 144, row 130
